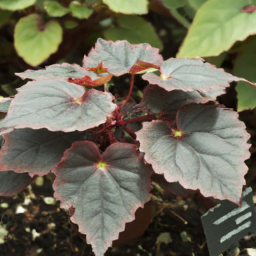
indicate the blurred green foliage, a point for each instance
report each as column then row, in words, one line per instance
column 36, row 33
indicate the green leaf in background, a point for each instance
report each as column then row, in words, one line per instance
column 13, row 5
column 245, row 66
column 174, row 4
column 128, row 6
column 69, row 24
column 135, row 30
column 92, row 2
column 80, row 11
column 189, row 10
column 4, row 15
column 196, row 4
column 35, row 41
column 217, row 26
column 55, row 9
column 216, row 60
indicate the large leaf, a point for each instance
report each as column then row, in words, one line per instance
column 206, row 151
column 217, row 26
column 161, row 102
column 103, row 191
column 120, row 57
column 36, row 41
column 57, row 106
column 4, row 104
column 12, row 182
column 15, row 5
column 34, row 151
column 79, row 10
column 192, row 74
column 128, row 7
column 135, row 30
column 245, row 66
column 55, row 9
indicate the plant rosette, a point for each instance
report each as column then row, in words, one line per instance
column 103, row 153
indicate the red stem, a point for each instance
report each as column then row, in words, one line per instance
column 131, row 87
column 130, row 132
column 132, row 120
column 105, row 128
column 137, row 119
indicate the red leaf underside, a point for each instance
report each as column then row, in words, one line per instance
column 98, row 69
column 89, row 83
column 249, row 8
column 141, row 66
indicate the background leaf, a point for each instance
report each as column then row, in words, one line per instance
column 174, row 4
column 35, row 41
column 196, row 4
column 245, row 66
column 135, row 30
column 55, row 9
column 4, row 15
column 79, row 10
column 217, row 26
column 15, row 5
column 114, row 185
column 208, row 153
column 128, row 7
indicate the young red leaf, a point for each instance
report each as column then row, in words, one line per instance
column 192, row 74
column 4, row 104
column 66, row 72
column 121, row 57
column 104, row 191
column 12, row 182
column 206, row 151
column 89, row 83
column 34, row 151
column 57, row 106
column 159, row 101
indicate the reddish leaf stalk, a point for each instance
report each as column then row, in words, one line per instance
column 123, row 122
column 130, row 132
column 131, row 87
column 105, row 128
column 136, row 119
